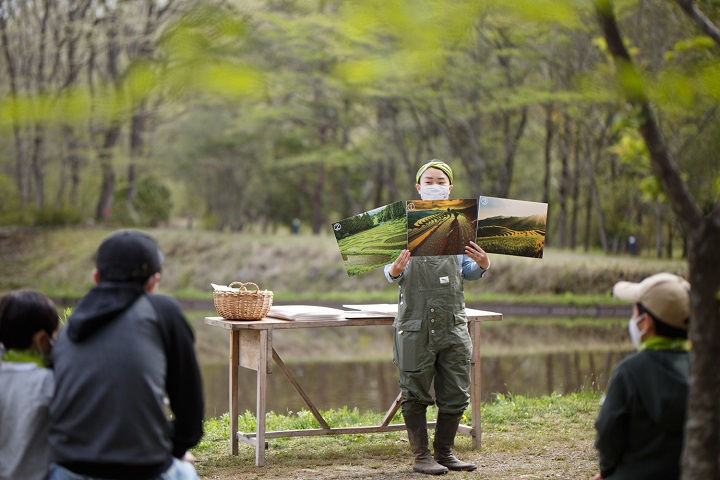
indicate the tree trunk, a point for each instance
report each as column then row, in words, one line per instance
column 575, row 190
column 595, row 197
column 36, row 165
column 318, row 219
column 107, row 186
column 103, row 210
column 137, row 144
column 588, row 221
column 20, row 164
column 76, row 13
column 466, row 149
column 511, row 140
column 702, row 427
column 659, row 228
column 389, row 114
column 17, row 134
column 549, row 131
column 564, row 145
column 62, row 181
column 37, row 161
column 390, row 175
column 74, row 161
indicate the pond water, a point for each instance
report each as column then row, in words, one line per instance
column 373, row 385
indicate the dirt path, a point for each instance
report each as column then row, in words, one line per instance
column 505, row 456
column 491, row 466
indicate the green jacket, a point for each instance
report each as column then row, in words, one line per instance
column 640, row 424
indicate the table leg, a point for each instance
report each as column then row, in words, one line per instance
column 260, row 409
column 391, row 411
column 233, row 400
column 475, row 385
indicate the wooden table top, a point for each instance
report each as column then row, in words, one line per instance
column 353, row 318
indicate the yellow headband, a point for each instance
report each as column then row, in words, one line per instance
column 442, row 166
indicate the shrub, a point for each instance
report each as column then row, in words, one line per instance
column 51, row 216
column 150, row 206
column 11, row 212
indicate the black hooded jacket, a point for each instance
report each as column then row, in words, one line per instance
column 121, row 352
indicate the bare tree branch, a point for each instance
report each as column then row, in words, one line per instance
column 664, row 166
column 707, row 119
column 702, row 21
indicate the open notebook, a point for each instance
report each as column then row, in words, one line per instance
column 305, row 312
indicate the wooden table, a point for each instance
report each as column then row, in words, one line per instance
column 251, row 347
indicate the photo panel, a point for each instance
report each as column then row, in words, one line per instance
column 511, row 227
column 441, row 227
column 372, row 239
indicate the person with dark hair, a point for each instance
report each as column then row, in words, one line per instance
column 122, row 351
column 640, row 424
column 28, row 321
column 432, row 344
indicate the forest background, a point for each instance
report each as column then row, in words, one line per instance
column 227, row 115
column 245, row 115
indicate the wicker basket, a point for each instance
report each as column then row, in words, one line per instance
column 244, row 304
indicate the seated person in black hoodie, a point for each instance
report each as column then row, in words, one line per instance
column 123, row 349
column 640, row 424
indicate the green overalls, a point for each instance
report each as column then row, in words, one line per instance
column 431, row 334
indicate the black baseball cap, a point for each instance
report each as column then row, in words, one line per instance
column 129, row 255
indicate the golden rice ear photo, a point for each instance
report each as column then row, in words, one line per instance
column 511, row 227
column 441, row 227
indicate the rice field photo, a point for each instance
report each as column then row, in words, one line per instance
column 372, row 239
column 511, row 227
column 440, row 227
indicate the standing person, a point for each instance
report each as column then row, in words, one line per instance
column 121, row 352
column 28, row 321
column 431, row 335
column 640, row 424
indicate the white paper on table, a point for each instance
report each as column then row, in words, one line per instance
column 223, row 288
column 305, row 312
column 390, row 309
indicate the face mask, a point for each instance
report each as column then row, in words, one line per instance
column 434, row 192
column 635, row 333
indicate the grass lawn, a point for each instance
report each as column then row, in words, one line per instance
column 544, row 437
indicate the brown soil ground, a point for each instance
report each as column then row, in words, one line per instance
column 566, row 453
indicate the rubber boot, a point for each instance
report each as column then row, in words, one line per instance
column 417, row 434
column 445, row 430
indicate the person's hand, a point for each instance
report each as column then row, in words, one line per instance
column 475, row 252
column 189, row 457
column 400, row 263
column 597, row 477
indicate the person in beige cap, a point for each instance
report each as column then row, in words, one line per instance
column 640, row 424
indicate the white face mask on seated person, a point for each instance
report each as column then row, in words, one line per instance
column 434, row 192
column 635, row 333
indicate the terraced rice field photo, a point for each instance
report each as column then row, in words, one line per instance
column 440, row 227
column 511, row 227
column 372, row 239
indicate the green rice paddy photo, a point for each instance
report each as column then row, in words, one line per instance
column 511, row 227
column 440, row 227
column 372, row 239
